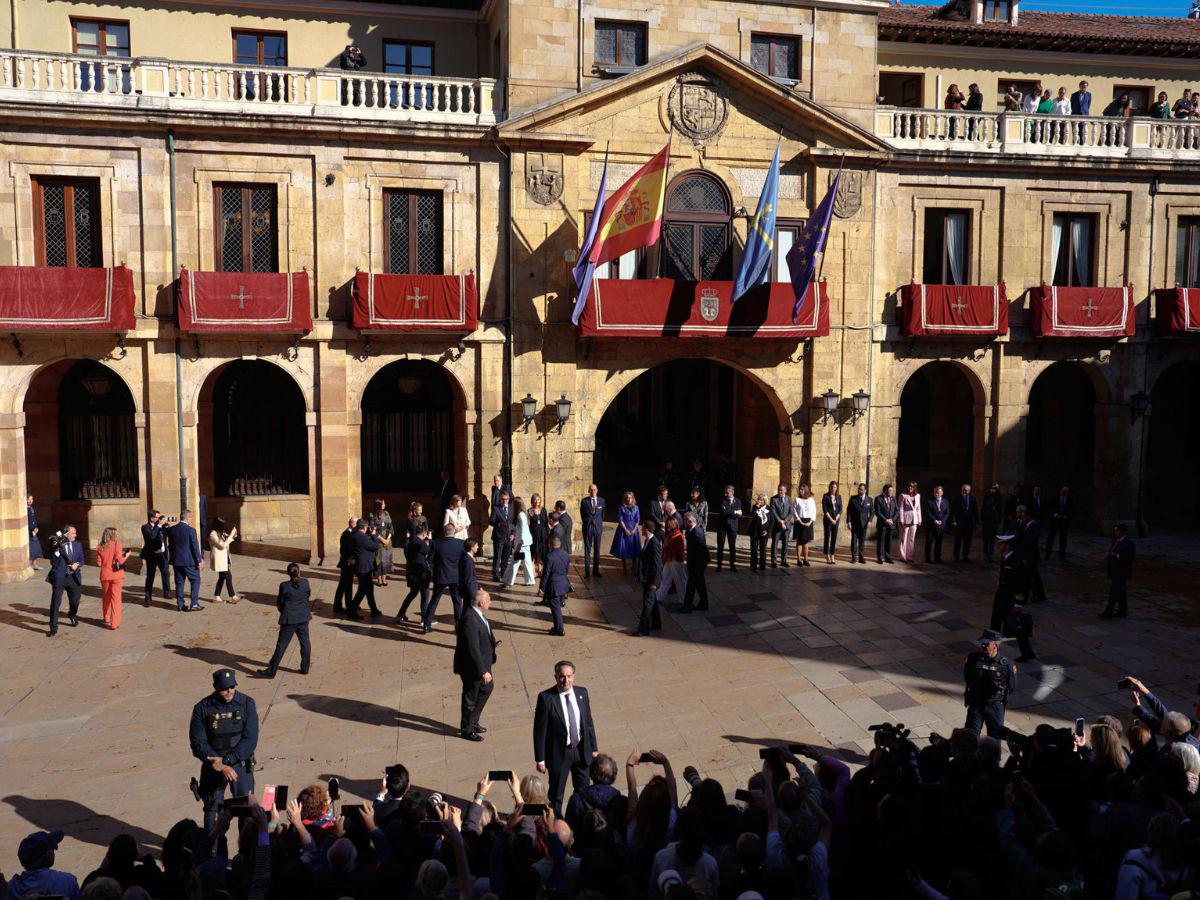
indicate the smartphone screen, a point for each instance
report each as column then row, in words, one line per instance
column 281, row 797
column 352, row 810
column 1079, row 727
column 743, row 795
column 533, row 809
column 268, row 796
column 499, row 774
column 646, row 758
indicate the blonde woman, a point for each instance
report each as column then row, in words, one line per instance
column 457, row 516
column 910, row 520
column 220, row 537
column 806, row 515
column 111, row 557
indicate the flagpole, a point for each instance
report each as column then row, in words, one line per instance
column 666, row 181
column 821, row 265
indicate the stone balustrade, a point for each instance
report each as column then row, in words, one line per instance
column 1040, row 135
column 166, row 85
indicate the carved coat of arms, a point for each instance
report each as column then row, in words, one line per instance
column 544, row 177
column 848, row 200
column 710, row 304
column 696, row 109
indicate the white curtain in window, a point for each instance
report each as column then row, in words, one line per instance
column 784, row 239
column 956, row 245
column 1081, row 248
column 627, row 265
column 1056, row 235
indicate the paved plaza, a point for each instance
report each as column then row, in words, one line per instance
column 93, row 724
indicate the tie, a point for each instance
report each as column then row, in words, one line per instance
column 572, row 725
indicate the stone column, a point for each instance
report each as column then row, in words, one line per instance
column 14, row 534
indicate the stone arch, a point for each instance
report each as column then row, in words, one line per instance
column 15, row 380
column 197, row 374
column 1171, row 479
column 940, row 426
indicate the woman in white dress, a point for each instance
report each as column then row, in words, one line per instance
column 457, row 516
column 522, row 551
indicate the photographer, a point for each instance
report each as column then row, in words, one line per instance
column 154, row 554
column 111, row 558
column 66, row 574
column 1174, row 726
column 365, row 546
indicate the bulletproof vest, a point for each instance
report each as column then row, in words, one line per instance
column 224, row 726
column 988, row 679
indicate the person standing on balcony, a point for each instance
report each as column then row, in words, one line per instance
column 974, row 98
column 954, row 101
column 1161, row 109
column 1012, row 99
column 1045, row 105
column 1183, row 106
column 1062, row 103
column 1029, row 103
column 352, row 59
column 1081, row 101
column 1119, row 106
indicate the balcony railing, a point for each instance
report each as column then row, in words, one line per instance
column 159, row 84
column 1044, row 135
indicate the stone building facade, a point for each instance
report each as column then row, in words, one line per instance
column 505, row 113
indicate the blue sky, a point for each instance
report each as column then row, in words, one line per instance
column 1169, row 8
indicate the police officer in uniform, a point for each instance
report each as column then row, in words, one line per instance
column 990, row 678
column 224, row 735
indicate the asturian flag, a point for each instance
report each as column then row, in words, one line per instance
column 631, row 218
column 760, row 237
column 584, row 267
column 805, row 254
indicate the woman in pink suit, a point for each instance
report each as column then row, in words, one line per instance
column 909, row 509
column 110, row 558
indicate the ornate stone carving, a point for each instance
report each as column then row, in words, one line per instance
column 544, row 177
column 696, row 109
column 848, row 200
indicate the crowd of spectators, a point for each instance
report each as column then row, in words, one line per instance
column 1108, row 811
column 1044, row 101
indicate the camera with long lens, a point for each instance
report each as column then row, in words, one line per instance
column 890, row 736
column 55, row 541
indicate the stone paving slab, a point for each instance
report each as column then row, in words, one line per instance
column 93, row 724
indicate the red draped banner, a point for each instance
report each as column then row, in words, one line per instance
column 244, row 302
column 1081, row 312
column 953, row 310
column 661, row 307
column 415, row 302
column 1176, row 311
column 45, row 298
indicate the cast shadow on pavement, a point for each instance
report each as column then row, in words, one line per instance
column 367, row 713
column 79, row 822
column 847, row 754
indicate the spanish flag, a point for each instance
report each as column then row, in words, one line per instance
column 632, row 217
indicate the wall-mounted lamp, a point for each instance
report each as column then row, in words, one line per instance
column 829, row 403
column 862, row 402
column 330, row 178
column 528, row 410
column 562, row 408
column 1139, row 405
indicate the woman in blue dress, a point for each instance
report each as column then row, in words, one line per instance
column 626, row 544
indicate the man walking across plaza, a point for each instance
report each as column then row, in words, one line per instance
column 650, row 571
column 858, row 513
column 474, row 656
column 564, row 735
column 1058, row 520
column 554, row 585
column 185, row 559
column 502, row 533
column 295, row 612
column 345, row 586
column 1119, row 566
column 66, row 575
column 965, row 516
column 697, row 562
column 1030, row 551
column 154, row 555
column 1011, row 583
column 591, row 512
column 445, row 562
column 365, row 545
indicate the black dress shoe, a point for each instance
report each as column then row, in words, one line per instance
column 599, row 574
column 375, row 614
column 74, row 621
column 146, row 602
column 639, row 633
column 470, row 737
column 52, row 632
column 355, row 616
column 481, row 729
column 264, row 673
column 425, row 629
column 304, row 671
column 556, row 632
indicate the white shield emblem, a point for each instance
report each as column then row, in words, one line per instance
column 710, row 304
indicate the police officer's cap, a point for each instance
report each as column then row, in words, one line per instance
column 223, row 679
column 990, row 636
column 1005, row 538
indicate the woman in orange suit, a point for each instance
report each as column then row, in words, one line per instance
column 110, row 557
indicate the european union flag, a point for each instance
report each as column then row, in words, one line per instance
column 760, row 236
column 805, row 254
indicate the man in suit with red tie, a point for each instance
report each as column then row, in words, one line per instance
column 591, row 511
column 564, row 735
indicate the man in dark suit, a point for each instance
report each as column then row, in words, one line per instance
column 783, row 511
column 554, row 585
column 1029, row 549
column 154, row 554
column 650, row 566
column 937, row 513
column 992, row 519
column 591, row 519
column 568, row 526
column 1058, row 520
column 1035, row 505
column 66, row 574
column 468, row 584
column 964, row 517
column 858, row 513
column 564, row 735
column 498, row 487
column 1012, row 580
column 445, row 560
column 345, row 587
column 365, row 545
column 729, row 514
column 697, row 562
column 447, row 488
column 885, row 524
column 656, row 512
column 417, row 572
column 295, row 612
column 1119, row 564
column 1010, row 509
column 474, row 656
column 500, row 519
column 185, row 559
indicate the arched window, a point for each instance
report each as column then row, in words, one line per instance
column 407, row 427
column 696, row 233
column 97, row 439
column 260, row 440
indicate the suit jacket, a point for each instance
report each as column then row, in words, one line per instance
column 859, row 511
column 153, row 538
column 885, row 508
column 59, row 573
column 965, row 512
column 727, row 513
column 1081, row 103
column 1036, row 507
column 592, row 520
column 974, row 101
column 783, row 510
column 937, row 511
column 346, row 549
column 650, row 562
column 1012, row 576
column 910, row 509
column 550, row 728
column 554, row 574
column 185, row 545
column 1060, row 509
column 475, row 648
column 656, row 512
column 568, row 530
column 697, row 549
column 468, row 584
column 500, row 519
column 1027, row 542
column 445, row 561
column 831, row 506
column 1120, row 559
column 292, row 602
column 445, row 491
column 416, row 562
column 365, row 546
column 993, row 510
column 495, row 495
